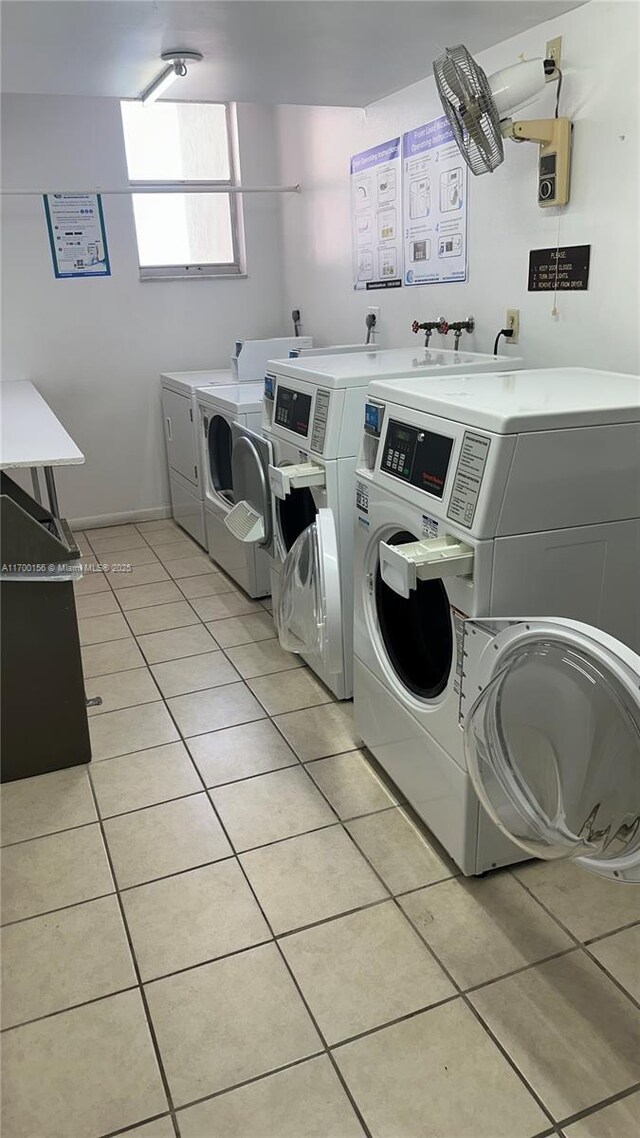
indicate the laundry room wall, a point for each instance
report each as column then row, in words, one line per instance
column 95, row 348
column 597, row 328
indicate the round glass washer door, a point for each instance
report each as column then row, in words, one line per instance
column 309, row 603
column 553, row 750
column 416, row 631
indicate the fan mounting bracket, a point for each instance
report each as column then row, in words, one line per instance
column 554, row 156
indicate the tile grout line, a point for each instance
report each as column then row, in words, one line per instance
column 585, row 947
column 70, row 1007
column 611, row 1100
column 143, row 996
column 60, row 908
column 144, row 1122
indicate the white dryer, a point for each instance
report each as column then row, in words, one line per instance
column 218, row 408
column 493, row 511
column 304, row 464
column 183, row 450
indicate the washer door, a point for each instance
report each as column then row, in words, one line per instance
column 250, row 461
column 219, row 448
column 553, row 740
column 309, row 605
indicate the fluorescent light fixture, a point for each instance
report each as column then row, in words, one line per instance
column 176, row 69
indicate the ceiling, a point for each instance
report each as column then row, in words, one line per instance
column 326, row 52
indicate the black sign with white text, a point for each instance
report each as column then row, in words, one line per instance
column 564, row 269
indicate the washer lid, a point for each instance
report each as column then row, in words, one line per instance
column 309, row 606
column 233, row 398
column 552, row 740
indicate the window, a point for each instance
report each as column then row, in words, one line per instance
column 182, row 234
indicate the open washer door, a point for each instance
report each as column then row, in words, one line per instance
column 551, row 717
column 251, row 519
column 309, row 606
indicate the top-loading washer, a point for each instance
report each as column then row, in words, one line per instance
column 295, row 487
column 183, row 450
column 491, row 512
column 218, row 408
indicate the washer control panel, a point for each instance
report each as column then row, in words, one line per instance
column 320, row 418
column 293, row 410
column 416, row 456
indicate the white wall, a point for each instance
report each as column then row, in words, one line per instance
column 600, row 92
column 95, row 348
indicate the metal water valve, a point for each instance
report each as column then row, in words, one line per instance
column 428, row 326
column 460, row 326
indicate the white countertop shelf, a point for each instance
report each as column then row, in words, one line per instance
column 30, row 433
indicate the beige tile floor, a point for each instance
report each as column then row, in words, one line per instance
column 229, row 926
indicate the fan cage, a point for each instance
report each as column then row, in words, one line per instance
column 467, row 101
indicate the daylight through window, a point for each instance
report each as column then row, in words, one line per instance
column 182, row 234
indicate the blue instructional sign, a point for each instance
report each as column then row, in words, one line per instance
column 77, row 235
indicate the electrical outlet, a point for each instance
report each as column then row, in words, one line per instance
column 554, row 50
column 513, row 322
column 373, row 333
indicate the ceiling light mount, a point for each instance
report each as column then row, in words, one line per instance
column 176, row 69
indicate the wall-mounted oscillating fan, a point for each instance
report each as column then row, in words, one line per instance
column 479, row 111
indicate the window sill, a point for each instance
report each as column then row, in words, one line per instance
column 144, row 279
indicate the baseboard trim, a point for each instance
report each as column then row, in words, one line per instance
column 129, row 516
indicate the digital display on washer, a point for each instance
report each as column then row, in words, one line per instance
column 293, row 410
column 418, row 457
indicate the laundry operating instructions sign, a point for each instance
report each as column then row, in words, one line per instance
column 376, row 216
column 435, row 205
column 77, row 235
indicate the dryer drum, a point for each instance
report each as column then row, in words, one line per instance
column 295, row 513
column 416, row 632
column 219, row 443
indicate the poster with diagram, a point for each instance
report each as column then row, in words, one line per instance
column 434, row 206
column 75, row 223
column 376, row 216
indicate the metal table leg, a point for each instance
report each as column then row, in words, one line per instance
column 35, row 482
column 51, row 491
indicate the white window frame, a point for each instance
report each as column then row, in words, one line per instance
column 217, row 270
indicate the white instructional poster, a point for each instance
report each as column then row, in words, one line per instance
column 376, row 217
column 434, row 205
column 77, row 235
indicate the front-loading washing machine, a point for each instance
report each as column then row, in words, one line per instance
column 218, row 408
column 490, row 511
column 295, row 486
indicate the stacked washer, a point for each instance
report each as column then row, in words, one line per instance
column 494, row 512
column 294, row 486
